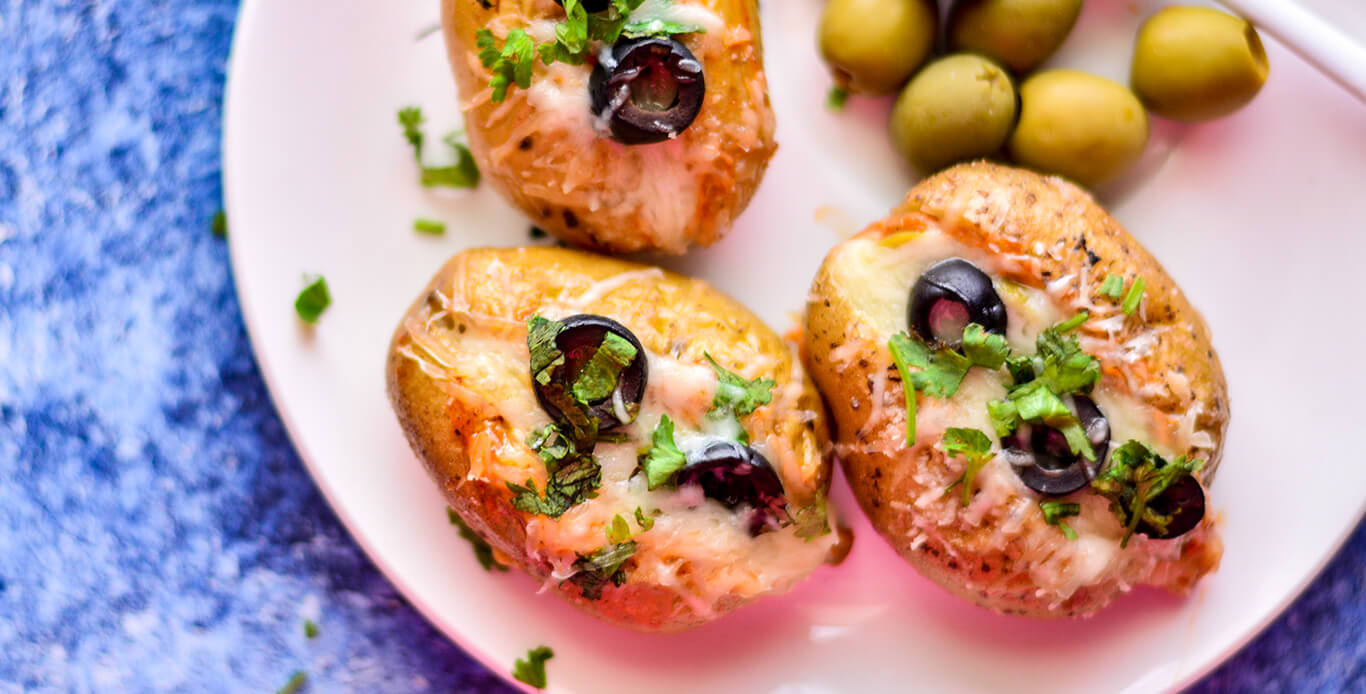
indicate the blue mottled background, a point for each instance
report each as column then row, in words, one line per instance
column 157, row 531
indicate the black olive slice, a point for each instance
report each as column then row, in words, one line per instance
column 1043, row 460
column 736, row 475
column 1183, row 502
column 646, row 90
column 948, row 296
column 579, row 341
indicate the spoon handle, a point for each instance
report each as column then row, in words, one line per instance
column 1326, row 47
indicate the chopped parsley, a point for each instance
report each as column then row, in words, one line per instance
column 604, row 566
column 1059, row 368
column 482, row 551
column 1135, row 477
column 599, row 376
column 511, row 64
column 645, row 522
column 942, row 371
column 464, row 173
column 312, row 300
column 1055, row 511
column 620, row 529
column 572, row 475
column 658, row 27
column 295, row 684
column 1135, row 295
column 1113, row 286
column 663, row 460
column 310, row 629
column 531, row 670
column 974, row 448
column 836, row 98
column 435, row 227
column 219, row 224
column 736, row 396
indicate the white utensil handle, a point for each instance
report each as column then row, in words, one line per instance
column 1315, row 40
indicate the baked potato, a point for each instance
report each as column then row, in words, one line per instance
column 1034, row 335
column 634, row 439
column 654, row 140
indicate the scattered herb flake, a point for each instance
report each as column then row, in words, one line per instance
column 606, row 565
column 295, row 684
column 464, row 173
column 1113, row 286
column 531, row 670
column 974, row 448
column 219, row 225
column 620, row 530
column 310, row 629
column 434, row 227
column 313, row 300
column 482, row 551
column 1055, row 511
column 1135, row 295
column 664, row 459
column 645, row 522
column 836, row 98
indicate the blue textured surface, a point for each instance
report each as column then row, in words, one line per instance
column 157, row 531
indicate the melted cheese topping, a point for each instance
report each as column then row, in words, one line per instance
column 880, row 274
column 697, row 546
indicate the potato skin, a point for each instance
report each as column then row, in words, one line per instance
column 1015, row 212
column 674, row 315
column 592, row 191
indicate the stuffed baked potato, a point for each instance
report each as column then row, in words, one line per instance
column 649, row 129
column 634, row 439
column 1034, row 336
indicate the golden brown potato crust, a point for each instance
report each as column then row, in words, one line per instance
column 674, row 315
column 1059, row 228
column 583, row 190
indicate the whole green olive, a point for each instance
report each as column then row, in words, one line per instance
column 958, row 107
column 1195, row 63
column 874, row 46
column 1019, row 34
column 1077, row 125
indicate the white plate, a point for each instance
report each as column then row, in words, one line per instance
column 1258, row 216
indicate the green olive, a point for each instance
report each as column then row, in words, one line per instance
column 959, row 107
column 1084, row 127
column 1194, row 63
column 1019, row 34
column 874, row 46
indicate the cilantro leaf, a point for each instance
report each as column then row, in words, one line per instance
column 658, row 27
column 1036, row 403
column 599, row 376
column 1135, row 295
column 1113, row 286
column 606, row 565
column 540, row 341
column 510, row 65
column 983, row 348
column 1134, row 478
column 736, row 396
column 313, row 300
column 531, row 670
column 645, row 522
column 903, row 351
column 973, row 447
column 482, row 551
column 573, row 476
column 663, row 460
column 620, row 530
column 462, row 174
column 1055, row 511
column 1005, row 417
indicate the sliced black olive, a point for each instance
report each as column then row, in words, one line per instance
column 590, row 6
column 579, row 341
column 1043, row 460
column 951, row 294
column 1183, row 502
column 646, row 90
column 736, row 475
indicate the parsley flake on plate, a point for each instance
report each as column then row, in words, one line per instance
column 482, row 551
column 464, row 173
column 295, row 684
column 219, row 224
column 531, row 669
column 313, row 300
column 836, row 98
column 434, row 227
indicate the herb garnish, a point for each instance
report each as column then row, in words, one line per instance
column 313, row 300
column 663, row 460
column 1113, row 286
column 836, row 98
column 736, row 396
column 1135, row 477
column 601, row 567
column 435, row 227
column 1135, row 295
column 942, row 370
column 219, row 225
column 572, row 475
column 463, row 174
column 482, row 551
column 1055, row 511
column 296, row 682
column 1059, row 368
column 620, row 529
column 599, row 376
column 531, row 670
column 658, row 27
column 511, row 64
column 973, row 447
